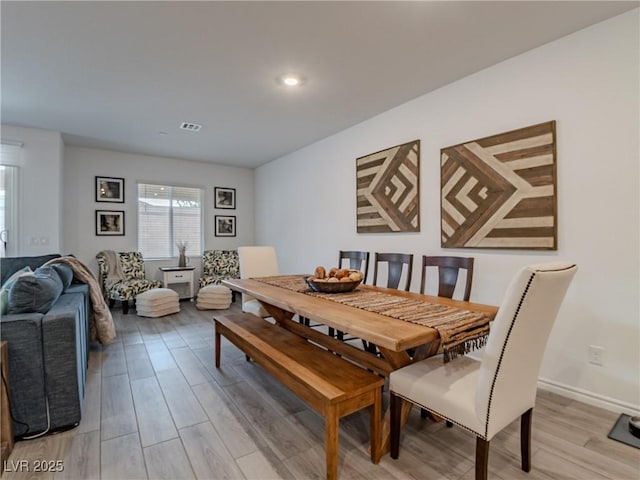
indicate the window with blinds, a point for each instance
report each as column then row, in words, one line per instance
column 168, row 215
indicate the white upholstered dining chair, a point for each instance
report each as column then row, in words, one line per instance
column 256, row 262
column 485, row 396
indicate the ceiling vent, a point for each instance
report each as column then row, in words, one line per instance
column 192, row 127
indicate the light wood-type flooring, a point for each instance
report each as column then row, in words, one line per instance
column 156, row 407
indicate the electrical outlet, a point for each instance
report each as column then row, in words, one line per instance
column 595, row 354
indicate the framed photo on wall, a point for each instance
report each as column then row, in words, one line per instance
column 225, row 197
column 225, row 226
column 109, row 189
column 109, row 222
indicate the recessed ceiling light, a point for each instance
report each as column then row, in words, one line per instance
column 291, row 80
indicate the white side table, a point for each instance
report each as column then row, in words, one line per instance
column 172, row 275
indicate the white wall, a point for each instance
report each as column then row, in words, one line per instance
column 39, row 190
column 82, row 165
column 587, row 82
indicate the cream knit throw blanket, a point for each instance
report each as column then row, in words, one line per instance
column 101, row 327
column 114, row 268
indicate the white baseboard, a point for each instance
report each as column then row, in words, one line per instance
column 589, row 398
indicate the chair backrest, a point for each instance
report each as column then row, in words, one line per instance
column 132, row 265
column 396, row 263
column 357, row 261
column 257, row 262
column 221, row 262
column 102, row 271
column 448, row 271
column 509, row 371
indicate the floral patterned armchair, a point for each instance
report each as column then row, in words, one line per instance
column 218, row 265
column 133, row 284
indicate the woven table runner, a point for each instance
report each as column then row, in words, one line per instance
column 461, row 331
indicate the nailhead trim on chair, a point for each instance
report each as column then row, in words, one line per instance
column 435, row 412
column 486, row 428
column 504, row 346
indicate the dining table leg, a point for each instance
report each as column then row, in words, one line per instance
column 395, row 359
column 278, row 314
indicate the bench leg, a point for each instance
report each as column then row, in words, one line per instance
column 217, row 340
column 331, row 426
column 375, row 414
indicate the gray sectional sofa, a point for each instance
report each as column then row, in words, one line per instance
column 48, row 354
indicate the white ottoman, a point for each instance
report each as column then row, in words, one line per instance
column 214, row 297
column 157, row 302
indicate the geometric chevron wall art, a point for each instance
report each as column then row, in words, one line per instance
column 388, row 194
column 500, row 191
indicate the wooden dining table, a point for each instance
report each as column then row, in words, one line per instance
column 399, row 342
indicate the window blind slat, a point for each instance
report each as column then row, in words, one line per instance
column 168, row 215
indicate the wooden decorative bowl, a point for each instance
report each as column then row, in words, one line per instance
column 332, row 287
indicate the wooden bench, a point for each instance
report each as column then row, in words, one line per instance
column 331, row 385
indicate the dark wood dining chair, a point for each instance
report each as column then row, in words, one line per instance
column 395, row 264
column 357, row 261
column 448, row 272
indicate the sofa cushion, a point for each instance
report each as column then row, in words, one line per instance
column 35, row 292
column 10, row 265
column 26, row 371
column 65, row 273
column 4, row 291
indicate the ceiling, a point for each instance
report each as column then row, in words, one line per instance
column 114, row 75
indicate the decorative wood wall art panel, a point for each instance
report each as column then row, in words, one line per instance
column 500, row 191
column 388, row 196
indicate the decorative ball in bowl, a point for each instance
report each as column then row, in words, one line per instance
column 324, row 286
column 337, row 280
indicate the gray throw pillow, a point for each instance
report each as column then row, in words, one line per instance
column 65, row 273
column 6, row 286
column 36, row 292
